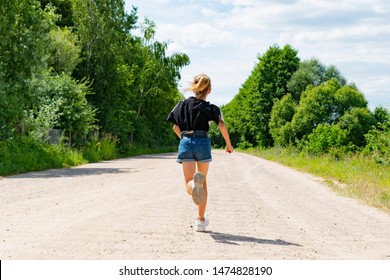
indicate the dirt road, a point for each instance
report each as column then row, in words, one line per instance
column 137, row 208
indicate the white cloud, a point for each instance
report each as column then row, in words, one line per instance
column 196, row 34
column 209, row 12
column 224, row 37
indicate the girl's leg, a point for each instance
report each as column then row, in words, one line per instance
column 204, row 168
column 189, row 169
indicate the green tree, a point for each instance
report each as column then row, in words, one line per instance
column 155, row 86
column 63, row 8
column 381, row 116
column 134, row 80
column 312, row 72
column 64, row 50
column 378, row 144
column 23, row 53
column 103, row 28
column 109, row 60
column 248, row 115
column 62, row 105
column 324, row 104
column 280, row 123
column 357, row 122
column 275, row 68
column 237, row 113
column 324, row 137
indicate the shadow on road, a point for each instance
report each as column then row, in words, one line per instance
column 236, row 239
column 72, row 172
column 88, row 171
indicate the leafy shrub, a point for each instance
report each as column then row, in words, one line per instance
column 357, row 122
column 61, row 103
column 98, row 149
column 382, row 117
column 26, row 154
column 378, row 145
column 324, row 137
column 280, row 122
column 312, row 72
column 245, row 145
column 216, row 136
column 324, row 104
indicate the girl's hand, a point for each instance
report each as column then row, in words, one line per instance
column 229, row 149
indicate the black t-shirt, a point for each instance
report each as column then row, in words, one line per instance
column 194, row 114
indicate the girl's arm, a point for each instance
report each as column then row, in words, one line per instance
column 222, row 127
column 177, row 130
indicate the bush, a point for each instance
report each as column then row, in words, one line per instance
column 280, row 123
column 98, row 149
column 378, row 145
column 244, row 145
column 26, row 154
column 324, row 104
column 324, row 137
column 357, row 122
column 61, row 103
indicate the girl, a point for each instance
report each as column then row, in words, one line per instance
column 190, row 119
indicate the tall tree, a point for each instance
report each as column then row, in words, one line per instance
column 134, row 81
column 325, row 104
column 103, row 28
column 156, row 90
column 237, row 112
column 64, row 50
column 312, row 72
column 23, row 53
column 281, row 115
column 62, row 105
column 357, row 122
column 266, row 84
column 63, row 8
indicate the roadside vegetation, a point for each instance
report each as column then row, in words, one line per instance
column 81, row 81
column 84, row 81
column 306, row 115
column 26, row 154
column 353, row 175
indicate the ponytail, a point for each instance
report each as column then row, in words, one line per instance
column 201, row 85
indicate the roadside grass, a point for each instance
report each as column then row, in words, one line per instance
column 354, row 175
column 26, row 155
column 98, row 149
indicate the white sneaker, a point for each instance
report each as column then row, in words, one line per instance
column 197, row 188
column 201, row 225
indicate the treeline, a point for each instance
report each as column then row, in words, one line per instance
column 86, row 68
column 92, row 72
column 287, row 102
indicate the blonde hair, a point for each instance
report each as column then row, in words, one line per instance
column 201, row 85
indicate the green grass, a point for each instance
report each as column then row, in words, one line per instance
column 353, row 175
column 26, row 155
column 98, row 149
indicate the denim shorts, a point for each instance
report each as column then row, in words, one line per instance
column 194, row 149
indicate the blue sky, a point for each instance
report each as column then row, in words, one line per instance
column 224, row 37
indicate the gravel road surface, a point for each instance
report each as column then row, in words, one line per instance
column 137, row 208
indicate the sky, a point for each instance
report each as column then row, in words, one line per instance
column 223, row 38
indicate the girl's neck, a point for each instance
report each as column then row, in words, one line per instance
column 201, row 97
